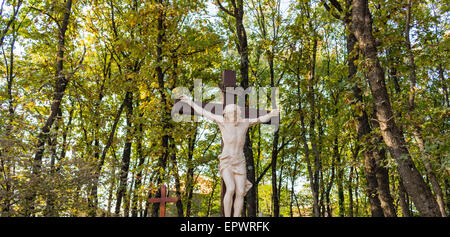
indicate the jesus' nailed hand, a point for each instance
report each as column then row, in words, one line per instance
column 233, row 128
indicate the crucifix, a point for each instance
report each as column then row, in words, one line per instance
column 233, row 121
column 162, row 201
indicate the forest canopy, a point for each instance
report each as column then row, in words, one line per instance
column 86, row 94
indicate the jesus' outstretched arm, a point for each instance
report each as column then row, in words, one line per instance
column 198, row 109
column 264, row 118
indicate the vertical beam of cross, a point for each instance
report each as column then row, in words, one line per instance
column 228, row 80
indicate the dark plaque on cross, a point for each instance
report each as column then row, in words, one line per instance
column 162, row 201
column 230, row 94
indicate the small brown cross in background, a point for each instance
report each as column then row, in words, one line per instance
column 162, row 201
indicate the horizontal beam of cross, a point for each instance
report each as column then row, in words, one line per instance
column 250, row 113
column 162, row 201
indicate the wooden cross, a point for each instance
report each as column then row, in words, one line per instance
column 228, row 81
column 162, row 201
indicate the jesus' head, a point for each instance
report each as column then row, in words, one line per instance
column 232, row 113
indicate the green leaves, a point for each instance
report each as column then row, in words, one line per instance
column 147, row 48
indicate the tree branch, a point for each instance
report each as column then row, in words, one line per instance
column 327, row 7
column 223, row 8
column 47, row 14
column 337, row 5
column 263, row 173
column 10, row 21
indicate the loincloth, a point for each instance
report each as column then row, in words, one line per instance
column 237, row 165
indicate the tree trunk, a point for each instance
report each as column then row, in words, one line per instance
column 248, row 151
column 312, row 133
column 111, row 190
column 292, row 193
column 363, row 130
column 309, row 165
column 5, row 162
column 372, row 184
column 356, row 193
column 331, row 181
column 128, row 196
column 416, row 129
column 350, row 193
column 50, row 210
column 274, row 157
column 190, row 173
column 166, row 127
column 60, row 87
column 403, row 199
column 210, row 199
column 340, row 181
column 179, row 203
column 306, row 152
column 414, row 184
column 443, row 85
column 280, row 179
column 382, row 175
column 125, row 164
column 93, row 197
column 140, row 165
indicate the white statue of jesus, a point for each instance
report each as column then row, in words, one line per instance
column 233, row 128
